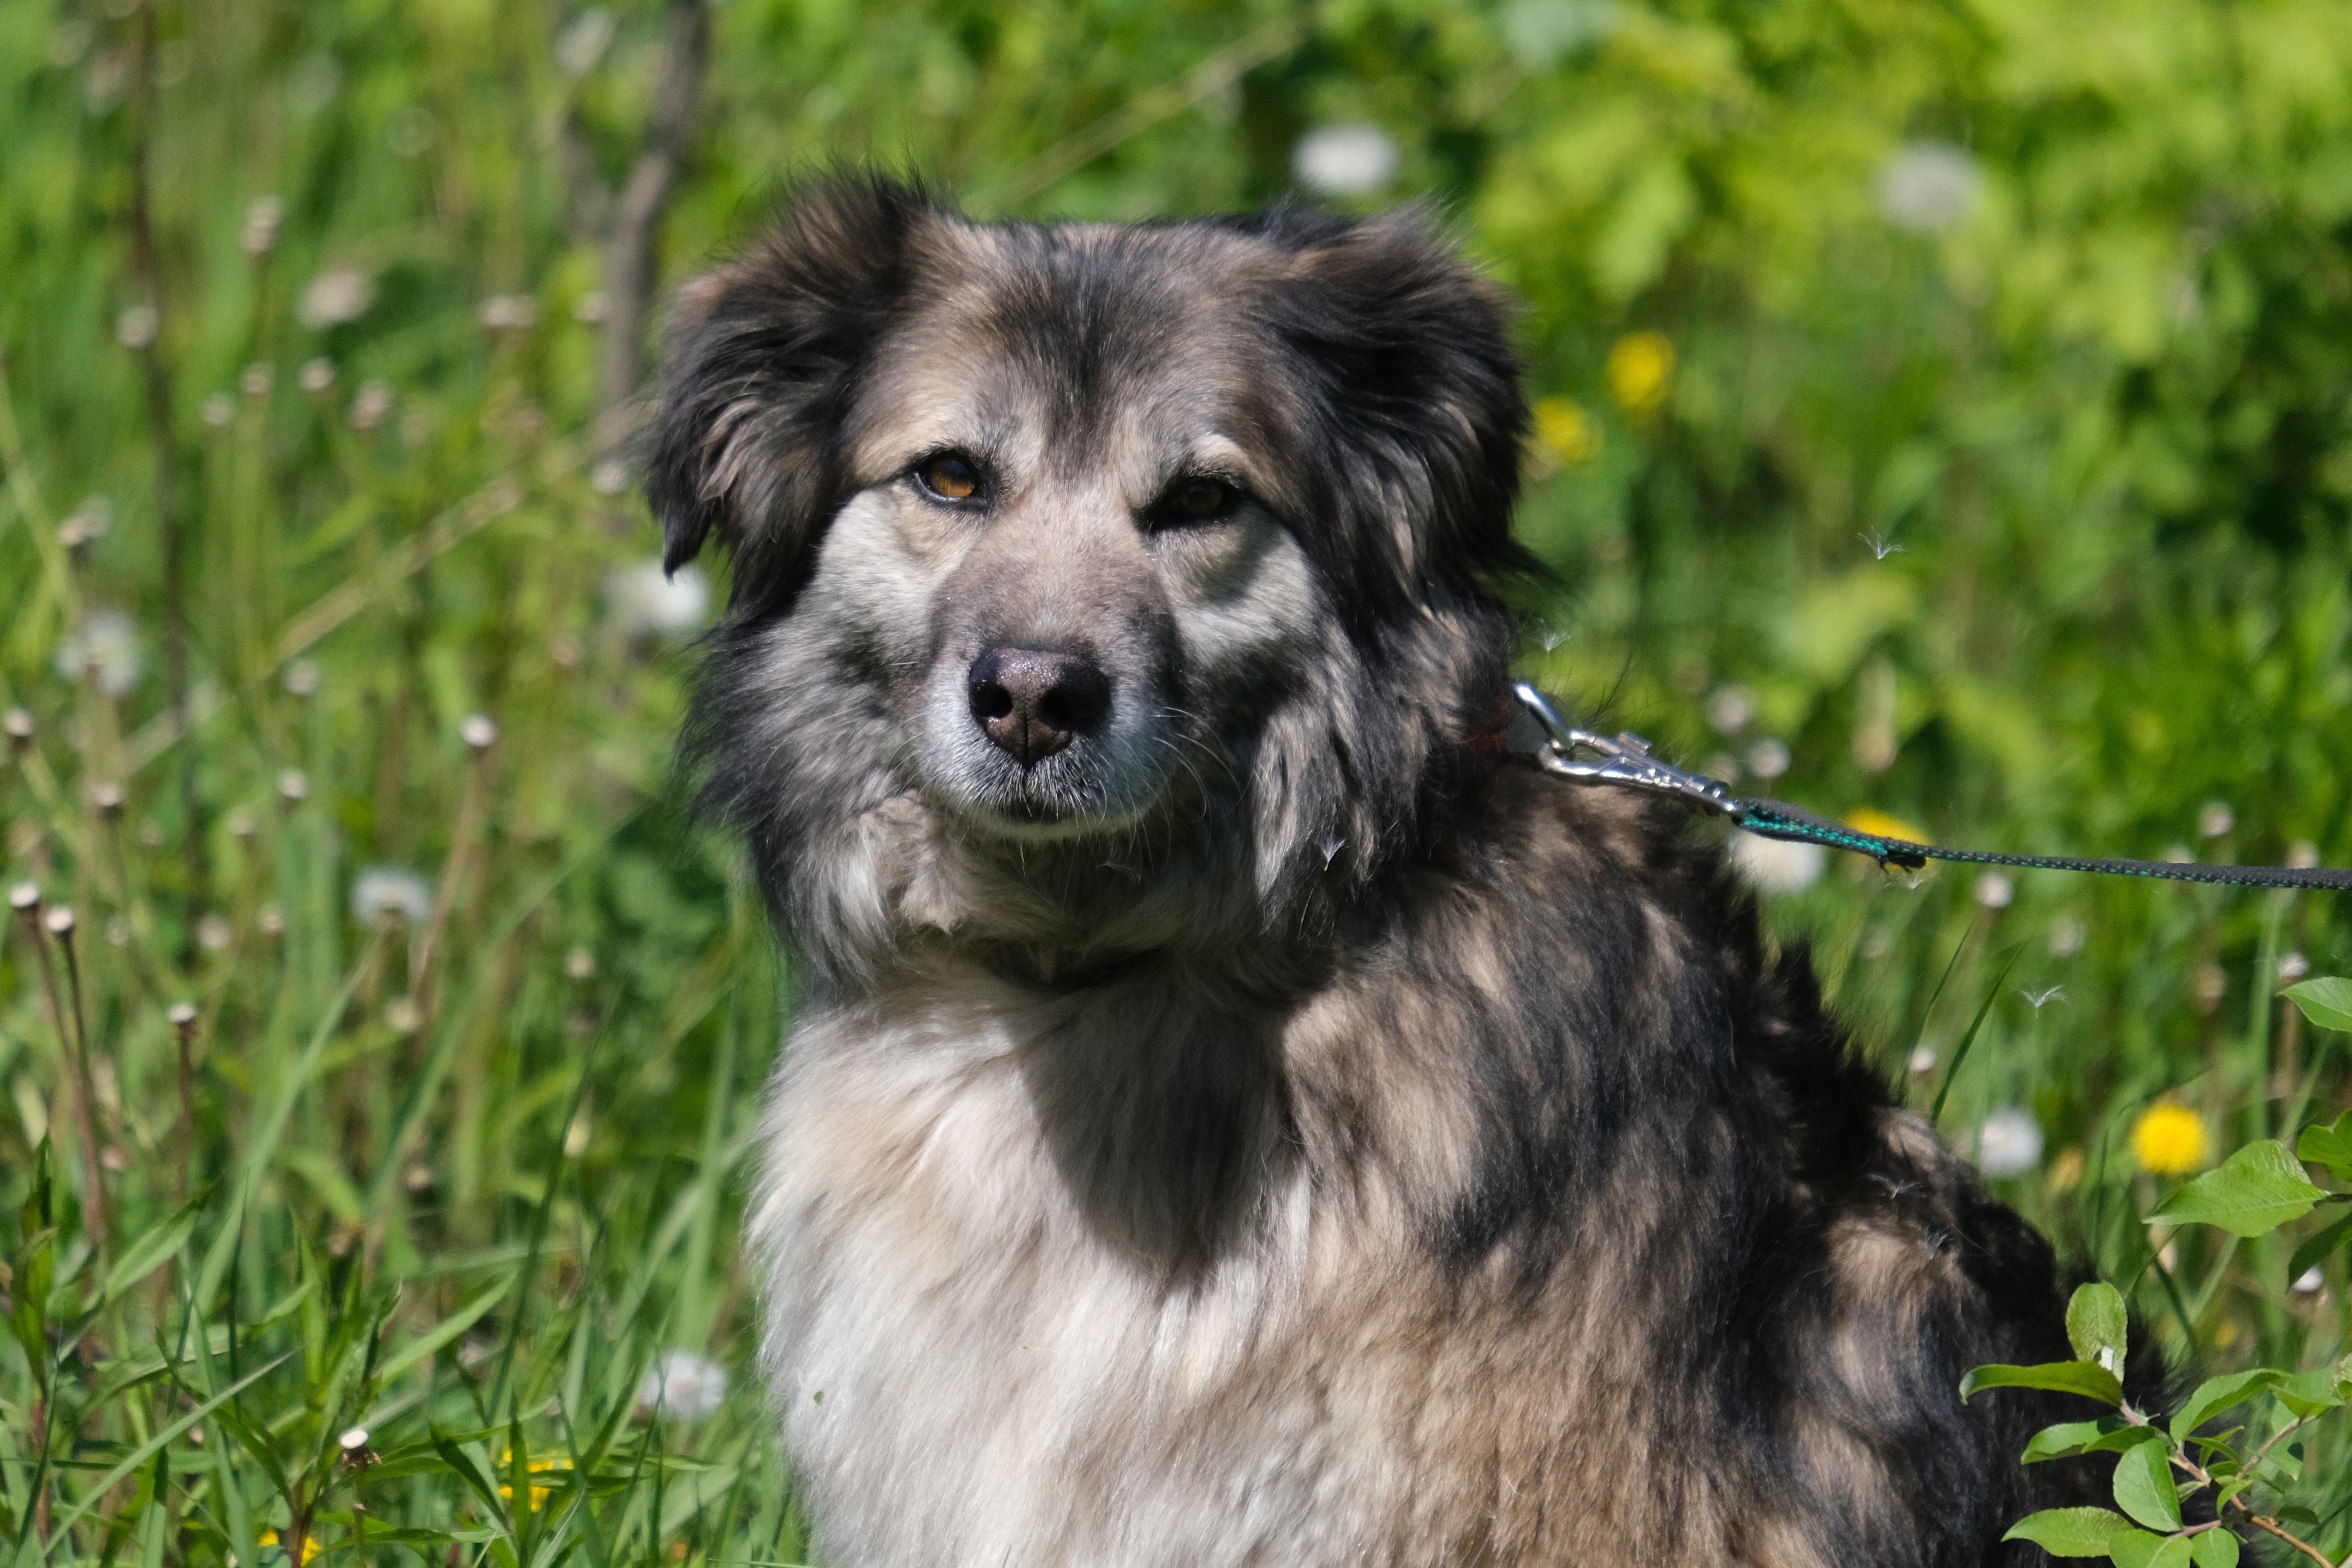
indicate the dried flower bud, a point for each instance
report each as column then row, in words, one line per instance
column 25, row 895
column 272, row 920
column 183, row 1017
column 317, row 376
column 59, row 918
column 2303, row 854
column 293, row 786
column 107, row 796
column 255, row 382
column 241, row 824
column 19, row 725
column 580, row 964
column 302, row 678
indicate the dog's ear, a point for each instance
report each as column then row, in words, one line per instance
column 763, row 361
column 1411, row 406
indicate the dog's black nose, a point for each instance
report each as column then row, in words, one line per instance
column 1033, row 702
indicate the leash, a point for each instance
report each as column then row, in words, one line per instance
column 1625, row 761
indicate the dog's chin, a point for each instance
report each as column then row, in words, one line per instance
column 1047, row 804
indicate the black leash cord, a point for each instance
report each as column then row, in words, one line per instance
column 1625, row 761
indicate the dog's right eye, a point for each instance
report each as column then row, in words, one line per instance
column 951, row 476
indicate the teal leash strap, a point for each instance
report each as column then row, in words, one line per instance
column 1624, row 760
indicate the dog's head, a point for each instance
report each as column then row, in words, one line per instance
column 1040, row 532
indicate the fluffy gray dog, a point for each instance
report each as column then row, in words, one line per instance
column 1242, row 1111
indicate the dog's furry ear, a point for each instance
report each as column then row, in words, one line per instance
column 1413, row 408
column 763, row 360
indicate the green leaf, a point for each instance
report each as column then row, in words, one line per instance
column 2143, row 1486
column 2095, row 1323
column 2255, row 1190
column 2069, row 1532
column 2329, row 1146
column 2319, row 1244
column 2326, row 1001
column 2072, row 1437
column 2215, row 1549
column 156, row 1246
column 443, row 1332
column 2130, row 1547
column 2217, row 1394
column 2064, row 1377
column 2310, row 1393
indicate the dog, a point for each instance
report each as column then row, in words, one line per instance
column 1240, row 1110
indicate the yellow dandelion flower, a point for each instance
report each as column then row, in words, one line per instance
column 1565, row 431
column 2169, row 1140
column 310, row 1545
column 539, row 1494
column 1639, row 367
column 1880, row 824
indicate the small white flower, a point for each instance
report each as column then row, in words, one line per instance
column 1928, row 187
column 2310, row 1281
column 683, row 1386
column 335, row 296
column 1995, row 891
column 1775, row 865
column 479, row 731
column 1345, row 160
column 388, row 890
column 107, row 646
column 2010, row 1141
column 645, row 599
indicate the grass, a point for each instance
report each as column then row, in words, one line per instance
column 449, row 1144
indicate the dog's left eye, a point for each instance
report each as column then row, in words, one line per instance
column 951, row 476
column 1197, row 498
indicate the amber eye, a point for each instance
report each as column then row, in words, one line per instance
column 1196, row 499
column 951, row 476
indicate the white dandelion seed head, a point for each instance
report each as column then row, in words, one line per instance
column 2009, row 1142
column 645, row 599
column 2067, row 936
column 1928, row 187
column 510, row 312
column 1774, row 865
column 1995, row 891
column 683, row 1386
column 1345, row 160
column 370, row 406
column 107, row 648
column 2215, row 819
column 1731, row 709
column 136, row 326
column 579, row 46
column 1921, row 1061
column 335, row 296
column 353, row 1439
column 382, row 891
column 2293, row 966
column 1768, row 759
column 2310, row 1281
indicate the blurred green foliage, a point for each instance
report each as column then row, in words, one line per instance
column 1944, row 411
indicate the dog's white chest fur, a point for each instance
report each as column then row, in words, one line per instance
column 970, row 1374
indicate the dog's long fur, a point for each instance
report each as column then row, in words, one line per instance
column 1285, row 1127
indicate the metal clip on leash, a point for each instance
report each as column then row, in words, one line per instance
column 1625, row 761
